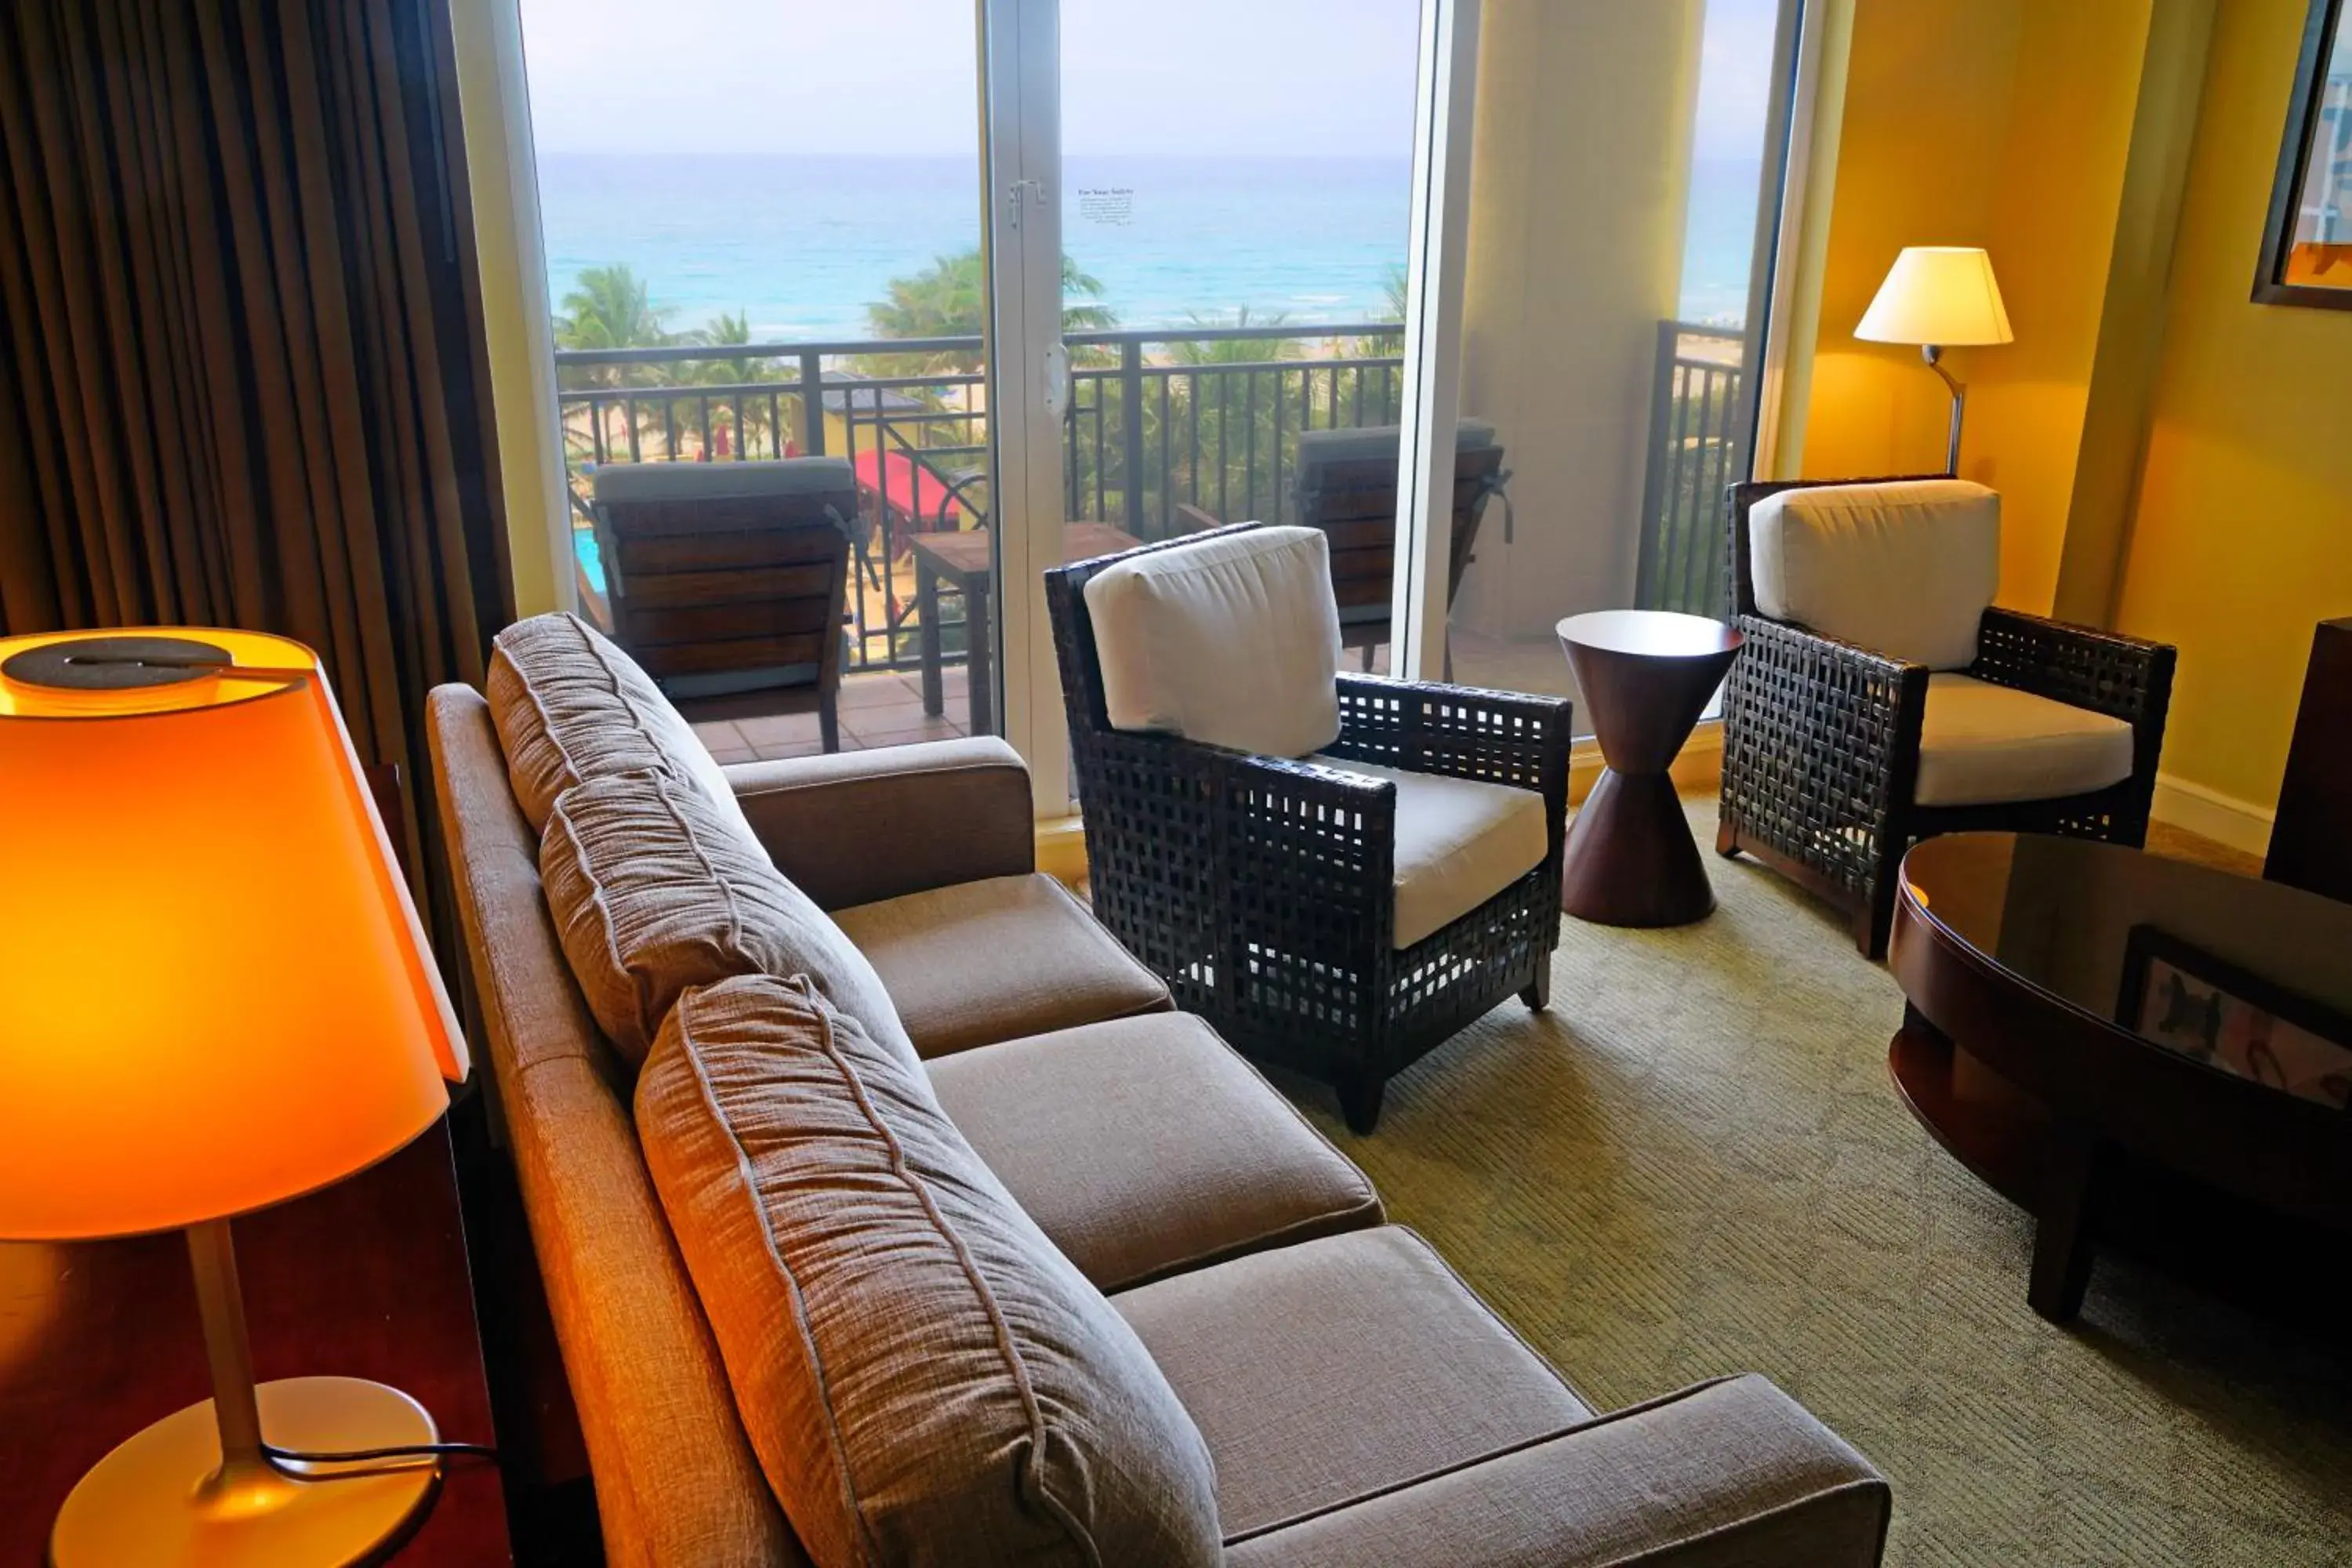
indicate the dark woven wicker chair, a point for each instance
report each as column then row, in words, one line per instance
column 1261, row 887
column 1821, row 740
column 729, row 582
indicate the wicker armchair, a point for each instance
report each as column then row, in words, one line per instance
column 1260, row 888
column 1822, row 739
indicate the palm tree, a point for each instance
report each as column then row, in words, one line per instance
column 1231, row 351
column 949, row 300
column 609, row 308
column 747, row 414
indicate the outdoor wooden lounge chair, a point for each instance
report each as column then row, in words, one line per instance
column 1338, row 871
column 1881, row 697
column 729, row 582
column 1347, row 488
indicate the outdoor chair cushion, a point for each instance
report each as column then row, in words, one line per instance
column 1366, row 443
column 569, row 705
column 625, row 483
column 1339, row 1368
column 652, row 891
column 1146, row 1146
column 1232, row 640
column 1458, row 843
column 1981, row 744
column 975, row 963
column 924, row 1377
column 1905, row 569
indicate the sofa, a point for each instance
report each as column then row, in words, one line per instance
column 888, row 1214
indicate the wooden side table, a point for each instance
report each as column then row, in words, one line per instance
column 1647, row 677
column 963, row 561
column 366, row 1278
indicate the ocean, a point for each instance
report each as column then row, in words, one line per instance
column 802, row 245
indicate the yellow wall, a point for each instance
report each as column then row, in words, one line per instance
column 2003, row 123
column 503, row 172
column 2174, row 460
column 2242, row 537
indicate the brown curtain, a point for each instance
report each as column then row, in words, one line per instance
column 241, row 380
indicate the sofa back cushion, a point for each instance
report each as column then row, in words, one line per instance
column 652, row 890
column 1232, row 640
column 925, row 1378
column 1905, row 569
column 571, row 706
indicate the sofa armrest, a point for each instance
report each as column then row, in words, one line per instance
column 851, row 828
column 1727, row 1475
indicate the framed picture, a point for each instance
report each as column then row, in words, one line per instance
column 2181, row 997
column 2308, row 246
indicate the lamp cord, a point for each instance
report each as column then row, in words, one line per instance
column 365, row 1456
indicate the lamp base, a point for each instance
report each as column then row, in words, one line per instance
column 162, row 1497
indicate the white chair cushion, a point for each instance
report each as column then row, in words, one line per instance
column 1234, row 641
column 1981, row 744
column 1905, row 569
column 1458, row 843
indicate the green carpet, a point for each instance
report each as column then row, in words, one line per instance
column 1695, row 1164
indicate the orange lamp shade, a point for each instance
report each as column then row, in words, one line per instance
column 213, row 991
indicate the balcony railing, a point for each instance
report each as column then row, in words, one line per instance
column 1698, row 428
column 1206, row 419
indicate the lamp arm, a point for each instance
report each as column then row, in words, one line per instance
column 229, row 1352
column 1934, row 354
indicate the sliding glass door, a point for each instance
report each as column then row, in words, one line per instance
column 1626, row 209
column 764, row 232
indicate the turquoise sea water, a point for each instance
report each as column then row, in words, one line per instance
column 803, row 243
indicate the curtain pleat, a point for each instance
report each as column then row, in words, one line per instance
column 241, row 374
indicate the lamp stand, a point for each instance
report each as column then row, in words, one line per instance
column 199, row 1487
column 1934, row 354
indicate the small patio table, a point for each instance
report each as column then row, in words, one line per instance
column 964, row 562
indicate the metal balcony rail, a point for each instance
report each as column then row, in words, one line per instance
column 1201, row 417
column 1698, row 434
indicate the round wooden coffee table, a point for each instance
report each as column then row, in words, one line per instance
column 1646, row 676
column 2081, row 1018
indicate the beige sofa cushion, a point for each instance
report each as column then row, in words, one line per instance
column 975, row 962
column 1145, row 1146
column 652, row 891
column 1905, row 569
column 569, row 705
column 925, row 1378
column 1980, row 745
column 1458, row 843
column 1336, row 1369
column 1234, row 641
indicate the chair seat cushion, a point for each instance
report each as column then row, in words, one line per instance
column 1146, row 1146
column 923, row 1376
column 1335, row 1369
column 1906, row 568
column 1232, row 640
column 1982, row 744
column 1458, row 843
column 652, row 891
column 975, row 962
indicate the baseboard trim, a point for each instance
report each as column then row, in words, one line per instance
column 1062, row 849
column 2225, row 819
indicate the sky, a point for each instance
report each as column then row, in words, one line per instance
column 1305, row 78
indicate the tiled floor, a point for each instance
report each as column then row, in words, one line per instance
column 882, row 707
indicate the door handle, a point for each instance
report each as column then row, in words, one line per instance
column 1058, row 379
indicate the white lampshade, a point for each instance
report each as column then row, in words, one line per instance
column 1942, row 294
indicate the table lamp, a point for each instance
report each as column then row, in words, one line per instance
column 213, row 996
column 1939, row 297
